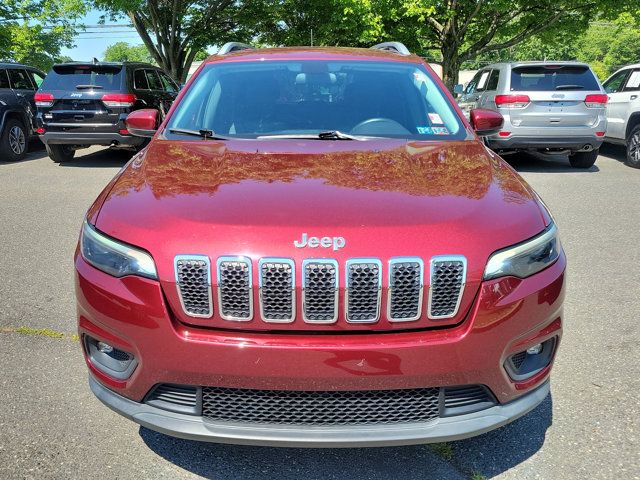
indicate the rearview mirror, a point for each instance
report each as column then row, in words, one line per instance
column 485, row 122
column 142, row 123
column 458, row 89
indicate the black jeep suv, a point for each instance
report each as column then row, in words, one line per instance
column 83, row 104
column 18, row 85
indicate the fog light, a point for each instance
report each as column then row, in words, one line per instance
column 535, row 350
column 106, row 348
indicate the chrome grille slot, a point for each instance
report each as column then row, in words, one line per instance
column 363, row 283
column 447, row 280
column 405, row 289
column 320, row 290
column 193, row 281
column 235, row 295
column 277, row 290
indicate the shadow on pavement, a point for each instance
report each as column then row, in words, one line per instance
column 615, row 152
column 489, row 454
column 527, row 162
column 105, row 158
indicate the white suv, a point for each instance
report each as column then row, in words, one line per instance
column 623, row 111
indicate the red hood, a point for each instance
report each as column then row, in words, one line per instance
column 254, row 198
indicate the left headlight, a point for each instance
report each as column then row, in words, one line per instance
column 114, row 258
column 527, row 258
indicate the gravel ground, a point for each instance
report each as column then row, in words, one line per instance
column 51, row 426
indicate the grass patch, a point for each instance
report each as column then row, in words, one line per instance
column 44, row 332
column 477, row 476
column 75, row 337
column 443, row 450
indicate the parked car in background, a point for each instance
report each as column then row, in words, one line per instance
column 82, row 104
column 623, row 111
column 548, row 107
column 317, row 249
column 18, row 85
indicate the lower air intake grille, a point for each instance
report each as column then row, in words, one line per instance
column 193, row 279
column 234, row 288
column 363, row 290
column 466, row 399
column 277, row 290
column 320, row 291
column 448, row 276
column 320, row 408
column 405, row 289
column 177, row 398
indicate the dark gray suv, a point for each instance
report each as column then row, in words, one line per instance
column 18, row 85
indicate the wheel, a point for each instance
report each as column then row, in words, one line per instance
column 13, row 141
column 584, row 159
column 633, row 147
column 60, row 153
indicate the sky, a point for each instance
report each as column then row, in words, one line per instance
column 95, row 39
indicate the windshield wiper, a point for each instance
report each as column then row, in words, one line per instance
column 202, row 133
column 569, row 87
column 328, row 135
column 88, row 87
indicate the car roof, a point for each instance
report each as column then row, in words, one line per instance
column 537, row 63
column 16, row 65
column 633, row 65
column 314, row 53
column 115, row 64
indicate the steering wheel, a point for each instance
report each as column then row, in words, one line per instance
column 379, row 126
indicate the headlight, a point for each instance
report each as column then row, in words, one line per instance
column 113, row 257
column 526, row 258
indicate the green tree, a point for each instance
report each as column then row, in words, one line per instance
column 124, row 52
column 35, row 31
column 176, row 31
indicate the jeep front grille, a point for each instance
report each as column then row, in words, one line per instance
column 277, row 290
column 193, row 280
column 320, row 286
column 448, row 275
column 235, row 294
column 320, row 290
column 362, row 290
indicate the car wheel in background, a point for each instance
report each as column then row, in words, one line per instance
column 13, row 141
column 633, row 147
column 60, row 153
column 583, row 159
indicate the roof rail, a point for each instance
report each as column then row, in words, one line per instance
column 396, row 47
column 231, row 47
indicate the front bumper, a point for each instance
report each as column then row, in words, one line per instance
column 440, row 430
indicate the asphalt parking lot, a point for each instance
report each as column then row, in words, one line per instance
column 51, row 426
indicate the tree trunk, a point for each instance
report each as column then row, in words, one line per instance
column 450, row 65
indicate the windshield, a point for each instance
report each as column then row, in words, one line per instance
column 70, row 76
column 261, row 99
column 553, row 77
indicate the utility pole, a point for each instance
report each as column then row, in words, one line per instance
column 312, row 37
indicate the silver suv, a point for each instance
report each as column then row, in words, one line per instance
column 550, row 107
column 623, row 111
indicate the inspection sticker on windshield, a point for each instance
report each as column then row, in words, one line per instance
column 440, row 130
column 435, row 118
column 424, row 130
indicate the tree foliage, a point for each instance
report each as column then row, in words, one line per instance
column 124, row 52
column 176, row 31
column 34, row 31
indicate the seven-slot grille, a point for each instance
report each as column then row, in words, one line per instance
column 277, row 290
column 235, row 295
column 193, row 279
column 320, row 290
column 321, row 280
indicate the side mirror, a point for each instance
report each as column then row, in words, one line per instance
column 142, row 123
column 485, row 122
column 458, row 89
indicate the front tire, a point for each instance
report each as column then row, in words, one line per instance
column 13, row 141
column 633, row 147
column 60, row 153
column 584, row 159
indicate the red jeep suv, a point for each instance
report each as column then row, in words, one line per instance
column 317, row 249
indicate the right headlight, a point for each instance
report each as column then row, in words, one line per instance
column 526, row 258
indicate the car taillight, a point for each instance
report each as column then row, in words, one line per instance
column 40, row 131
column 119, row 99
column 596, row 100
column 512, row 101
column 43, row 99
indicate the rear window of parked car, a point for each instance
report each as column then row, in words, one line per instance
column 553, row 77
column 71, row 77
